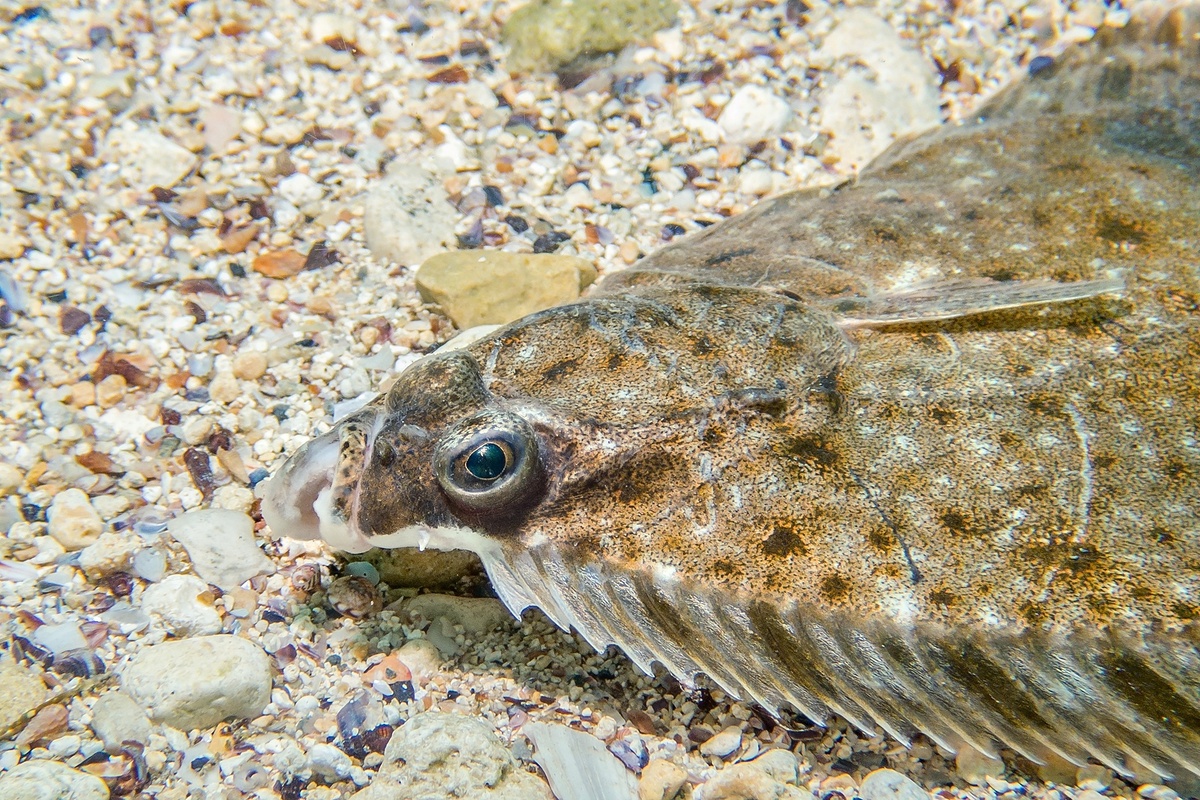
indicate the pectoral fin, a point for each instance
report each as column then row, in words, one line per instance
column 963, row 298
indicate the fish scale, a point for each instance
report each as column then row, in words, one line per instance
column 920, row 450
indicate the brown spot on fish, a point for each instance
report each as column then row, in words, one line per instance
column 943, row 598
column 564, row 367
column 1121, row 230
column 811, row 451
column 783, row 541
column 835, row 588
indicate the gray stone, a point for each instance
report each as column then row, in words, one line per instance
column 147, row 158
column 436, row 755
column 782, row 765
column 72, row 521
column 892, row 95
column 422, row 569
column 116, row 719
column 221, row 545
column 50, row 780
column 408, row 217
column 196, row 683
column 475, row 614
column 184, row 604
column 490, row 287
column 888, row 784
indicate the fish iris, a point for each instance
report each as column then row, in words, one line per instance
column 487, row 462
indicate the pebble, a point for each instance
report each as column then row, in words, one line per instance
column 184, row 605
column 117, row 719
column 447, row 755
column 196, row 683
column 21, row 691
column 233, row 497
column 83, row 394
column 329, row 762
column 110, row 553
column 744, row 781
column 299, row 189
column 661, row 780
column 754, row 114
column 221, row 545
column 896, row 96
column 110, row 391
column 975, row 768
column 46, row 724
column 61, row 637
column 147, row 158
column 476, row 615
column 782, row 765
column 1096, row 777
column 197, row 430
column 249, row 365
column 11, row 479
column 491, row 287
column 422, row 658
column 723, row 744
column 49, row 780
column 72, row 521
column 546, row 34
column 888, row 784
column 224, row 388
column 407, row 216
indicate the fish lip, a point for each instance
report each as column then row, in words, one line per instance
column 298, row 499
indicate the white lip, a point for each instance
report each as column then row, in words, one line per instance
column 296, row 499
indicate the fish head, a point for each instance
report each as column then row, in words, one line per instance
column 438, row 461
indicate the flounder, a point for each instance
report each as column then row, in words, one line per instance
column 921, row 450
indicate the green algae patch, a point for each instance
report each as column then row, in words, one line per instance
column 546, row 34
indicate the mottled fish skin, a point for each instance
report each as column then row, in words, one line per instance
column 921, row 450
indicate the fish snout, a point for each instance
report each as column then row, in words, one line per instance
column 315, row 493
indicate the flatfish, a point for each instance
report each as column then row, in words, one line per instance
column 921, row 450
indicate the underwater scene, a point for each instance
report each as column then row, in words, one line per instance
column 600, row 400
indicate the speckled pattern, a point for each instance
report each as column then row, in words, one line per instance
column 983, row 528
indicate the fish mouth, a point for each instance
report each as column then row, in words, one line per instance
column 315, row 494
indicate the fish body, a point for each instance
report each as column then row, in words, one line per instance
column 921, row 450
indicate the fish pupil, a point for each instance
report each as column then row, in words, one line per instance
column 487, row 462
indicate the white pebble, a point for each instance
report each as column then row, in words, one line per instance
column 196, row 683
column 754, row 114
column 887, row 784
column 183, row 604
column 300, row 190
column 329, row 762
column 221, row 545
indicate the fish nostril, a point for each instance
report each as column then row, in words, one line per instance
column 385, row 455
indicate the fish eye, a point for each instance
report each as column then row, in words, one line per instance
column 488, row 463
